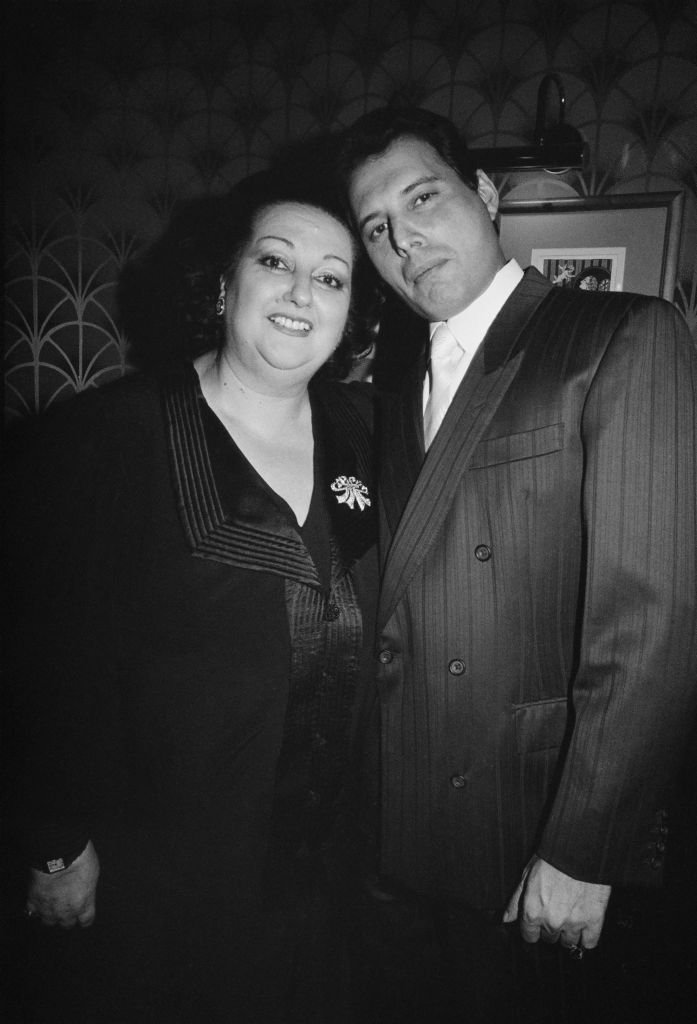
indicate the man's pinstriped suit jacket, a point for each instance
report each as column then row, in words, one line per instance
column 538, row 619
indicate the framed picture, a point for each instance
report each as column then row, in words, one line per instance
column 600, row 269
column 607, row 243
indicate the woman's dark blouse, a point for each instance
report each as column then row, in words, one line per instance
column 203, row 681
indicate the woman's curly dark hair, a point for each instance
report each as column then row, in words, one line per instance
column 168, row 297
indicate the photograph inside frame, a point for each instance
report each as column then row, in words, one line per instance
column 588, row 269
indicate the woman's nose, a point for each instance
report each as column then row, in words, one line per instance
column 300, row 290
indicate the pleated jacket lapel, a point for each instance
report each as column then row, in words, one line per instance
column 229, row 515
column 239, row 525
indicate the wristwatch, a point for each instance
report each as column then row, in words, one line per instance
column 50, row 867
column 56, row 864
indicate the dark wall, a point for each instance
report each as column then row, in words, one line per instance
column 115, row 111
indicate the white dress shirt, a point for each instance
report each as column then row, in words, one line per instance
column 470, row 326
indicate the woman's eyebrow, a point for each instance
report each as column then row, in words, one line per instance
column 275, row 238
column 286, row 241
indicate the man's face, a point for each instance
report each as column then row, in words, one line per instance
column 430, row 237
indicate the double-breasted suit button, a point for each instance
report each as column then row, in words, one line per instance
column 385, row 657
column 456, row 667
column 482, row 552
column 458, row 781
column 332, row 612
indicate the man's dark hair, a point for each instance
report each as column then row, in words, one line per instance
column 375, row 132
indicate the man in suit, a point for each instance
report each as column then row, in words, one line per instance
column 538, row 618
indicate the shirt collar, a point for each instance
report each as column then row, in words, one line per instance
column 471, row 324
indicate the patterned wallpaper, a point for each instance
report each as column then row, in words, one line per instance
column 116, row 111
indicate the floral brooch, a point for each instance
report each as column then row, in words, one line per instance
column 351, row 491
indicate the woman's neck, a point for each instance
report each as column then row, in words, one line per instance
column 261, row 407
column 272, row 430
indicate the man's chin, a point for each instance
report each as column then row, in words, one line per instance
column 437, row 302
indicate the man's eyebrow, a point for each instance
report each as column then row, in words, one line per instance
column 426, row 179
column 287, row 241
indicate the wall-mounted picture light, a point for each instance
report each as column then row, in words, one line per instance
column 556, row 147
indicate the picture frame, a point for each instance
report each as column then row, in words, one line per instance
column 633, row 240
column 600, row 268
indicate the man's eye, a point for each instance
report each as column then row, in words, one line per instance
column 423, row 198
column 273, row 262
column 375, row 233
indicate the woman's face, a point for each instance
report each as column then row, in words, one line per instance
column 287, row 300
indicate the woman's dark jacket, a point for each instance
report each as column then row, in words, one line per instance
column 188, row 688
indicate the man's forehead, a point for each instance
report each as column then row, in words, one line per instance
column 405, row 147
column 403, row 164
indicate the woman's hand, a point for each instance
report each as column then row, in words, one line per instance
column 67, row 897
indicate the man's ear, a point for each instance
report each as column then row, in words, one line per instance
column 486, row 190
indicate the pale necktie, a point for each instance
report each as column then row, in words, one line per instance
column 445, row 357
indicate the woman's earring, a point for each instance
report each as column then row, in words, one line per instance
column 220, row 305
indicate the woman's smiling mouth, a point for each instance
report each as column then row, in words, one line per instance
column 287, row 323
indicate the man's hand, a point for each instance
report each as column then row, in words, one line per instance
column 551, row 905
column 67, row 897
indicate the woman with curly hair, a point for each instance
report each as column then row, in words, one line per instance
column 195, row 572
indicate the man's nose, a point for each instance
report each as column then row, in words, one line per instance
column 404, row 235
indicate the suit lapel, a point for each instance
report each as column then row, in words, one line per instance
column 477, row 399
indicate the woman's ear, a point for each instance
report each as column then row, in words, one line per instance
column 486, row 190
column 220, row 303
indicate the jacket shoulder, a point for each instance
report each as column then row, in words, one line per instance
column 92, row 421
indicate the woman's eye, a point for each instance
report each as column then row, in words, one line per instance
column 331, row 280
column 423, row 198
column 273, row 262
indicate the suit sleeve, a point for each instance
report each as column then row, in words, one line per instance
column 634, row 687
